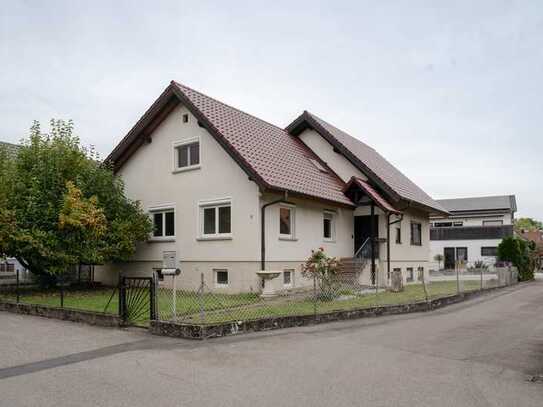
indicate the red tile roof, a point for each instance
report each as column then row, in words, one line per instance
column 369, row 161
column 272, row 157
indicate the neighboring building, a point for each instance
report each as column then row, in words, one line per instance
column 8, row 271
column 473, row 230
column 230, row 194
column 10, row 148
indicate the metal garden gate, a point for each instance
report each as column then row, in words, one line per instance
column 137, row 300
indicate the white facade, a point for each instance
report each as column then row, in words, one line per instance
column 228, row 261
column 482, row 223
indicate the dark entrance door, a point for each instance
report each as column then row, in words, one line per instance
column 362, row 230
column 448, row 254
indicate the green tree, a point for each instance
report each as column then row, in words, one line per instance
column 521, row 253
column 61, row 206
column 528, row 224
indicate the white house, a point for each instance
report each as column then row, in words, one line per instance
column 231, row 194
column 473, row 230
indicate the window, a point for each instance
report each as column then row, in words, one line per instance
column 443, row 224
column 328, row 226
column 416, row 234
column 286, row 222
column 287, row 277
column 7, row 268
column 216, row 219
column 489, row 251
column 462, row 254
column 458, row 224
column 410, row 274
column 399, row 235
column 187, row 155
column 492, row 222
column 396, row 270
column 163, row 223
column 185, row 118
column 221, row 277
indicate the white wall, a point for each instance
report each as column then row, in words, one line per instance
column 308, row 231
column 339, row 164
column 149, row 178
column 474, row 250
column 507, row 219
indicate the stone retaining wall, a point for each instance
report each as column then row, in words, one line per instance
column 66, row 314
column 205, row 331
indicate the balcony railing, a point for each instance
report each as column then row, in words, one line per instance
column 471, row 232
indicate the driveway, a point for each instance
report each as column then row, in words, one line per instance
column 478, row 353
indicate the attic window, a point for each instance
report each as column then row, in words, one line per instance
column 185, row 118
column 318, row 165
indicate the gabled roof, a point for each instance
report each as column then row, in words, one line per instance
column 12, row 149
column 387, row 177
column 481, row 203
column 371, row 193
column 268, row 154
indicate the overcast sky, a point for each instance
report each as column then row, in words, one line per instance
column 448, row 91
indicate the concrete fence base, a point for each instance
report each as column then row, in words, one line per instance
column 205, row 331
column 66, row 314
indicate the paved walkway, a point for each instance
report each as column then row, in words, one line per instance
column 478, row 353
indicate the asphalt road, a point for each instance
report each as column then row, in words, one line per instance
column 478, row 353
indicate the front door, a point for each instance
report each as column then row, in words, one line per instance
column 449, row 255
column 362, row 230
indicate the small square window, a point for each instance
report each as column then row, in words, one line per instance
column 410, row 273
column 399, row 235
column 287, row 277
column 221, row 277
column 185, row 118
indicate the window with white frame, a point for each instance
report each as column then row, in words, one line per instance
column 216, row 219
column 163, row 223
column 288, row 277
column 186, row 154
column 221, row 277
column 329, row 226
column 286, row 222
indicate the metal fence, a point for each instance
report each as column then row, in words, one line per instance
column 317, row 295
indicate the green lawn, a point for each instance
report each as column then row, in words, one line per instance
column 84, row 299
column 211, row 307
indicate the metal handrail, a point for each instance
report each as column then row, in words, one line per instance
column 361, row 247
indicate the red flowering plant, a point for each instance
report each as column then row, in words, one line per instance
column 324, row 269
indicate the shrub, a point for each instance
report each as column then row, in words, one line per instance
column 325, row 270
column 521, row 254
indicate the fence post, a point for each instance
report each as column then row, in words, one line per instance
column 457, row 278
column 152, row 299
column 17, row 293
column 314, row 296
column 61, row 277
column 482, row 278
column 122, row 298
column 201, row 298
column 424, row 286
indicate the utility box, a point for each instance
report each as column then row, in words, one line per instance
column 396, row 281
column 169, row 260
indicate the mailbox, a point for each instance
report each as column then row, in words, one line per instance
column 170, row 272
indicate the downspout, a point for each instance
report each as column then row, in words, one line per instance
column 263, row 228
column 372, row 237
column 389, row 223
